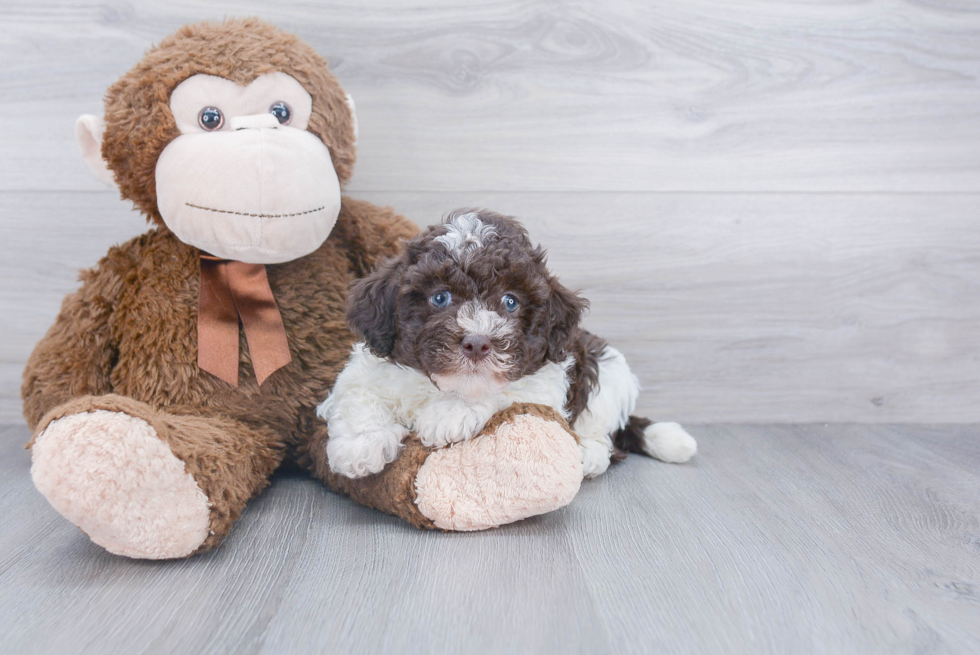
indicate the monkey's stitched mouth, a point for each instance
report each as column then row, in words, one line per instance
column 226, row 211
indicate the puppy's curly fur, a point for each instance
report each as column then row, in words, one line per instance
column 464, row 322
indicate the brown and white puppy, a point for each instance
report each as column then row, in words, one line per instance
column 466, row 321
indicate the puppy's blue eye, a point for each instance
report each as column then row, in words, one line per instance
column 441, row 299
column 510, row 302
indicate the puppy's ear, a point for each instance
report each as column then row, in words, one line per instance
column 566, row 308
column 371, row 306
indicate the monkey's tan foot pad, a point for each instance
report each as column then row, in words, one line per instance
column 526, row 465
column 111, row 475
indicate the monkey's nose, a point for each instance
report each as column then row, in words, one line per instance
column 253, row 122
column 476, row 346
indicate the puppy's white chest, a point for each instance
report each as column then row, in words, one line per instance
column 373, row 391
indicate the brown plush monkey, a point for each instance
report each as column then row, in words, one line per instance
column 156, row 417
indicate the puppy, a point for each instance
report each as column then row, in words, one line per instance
column 466, row 321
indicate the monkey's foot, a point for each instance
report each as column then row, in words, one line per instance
column 524, row 463
column 111, row 475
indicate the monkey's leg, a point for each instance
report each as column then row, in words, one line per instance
column 525, row 462
column 146, row 483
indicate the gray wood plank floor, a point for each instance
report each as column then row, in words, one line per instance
column 789, row 539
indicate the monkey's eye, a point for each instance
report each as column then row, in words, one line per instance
column 211, row 119
column 282, row 112
column 510, row 302
column 441, row 300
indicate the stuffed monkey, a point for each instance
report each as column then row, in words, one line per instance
column 189, row 365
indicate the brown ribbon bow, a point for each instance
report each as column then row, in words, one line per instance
column 231, row 290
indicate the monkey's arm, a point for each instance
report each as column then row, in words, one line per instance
column 370, row 233
column 76, row 356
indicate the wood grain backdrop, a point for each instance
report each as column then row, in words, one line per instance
column 772, row 206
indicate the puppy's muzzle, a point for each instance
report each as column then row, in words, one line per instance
column 476, row 347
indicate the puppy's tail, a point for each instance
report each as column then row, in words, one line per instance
column 668, row 442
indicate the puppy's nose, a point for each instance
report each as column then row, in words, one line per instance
column 476, row 346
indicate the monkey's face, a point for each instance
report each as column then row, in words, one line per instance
column 234, row 135
column 245, row 180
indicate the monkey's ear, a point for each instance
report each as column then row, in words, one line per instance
column 353, row 113
column 371, row 306
column 88, row 132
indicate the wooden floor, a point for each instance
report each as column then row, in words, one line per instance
column 791, row 539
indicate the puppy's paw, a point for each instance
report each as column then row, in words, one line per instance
column 367, row 453
column 669, row 442
column 595, row 457
column 443, row 423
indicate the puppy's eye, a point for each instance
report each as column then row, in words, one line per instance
column 510, row 302
column 441, row 299
column 211, row 119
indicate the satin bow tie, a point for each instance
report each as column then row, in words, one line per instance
column 233, row 291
